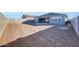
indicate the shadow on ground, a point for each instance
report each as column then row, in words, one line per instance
column 58, row 36
column 29, row 22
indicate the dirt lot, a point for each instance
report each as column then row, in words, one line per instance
column 14, row 31
column 23, row 35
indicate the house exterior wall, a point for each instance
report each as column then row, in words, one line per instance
column 61, row 22
column 36, row 20
column 75, row 24
column 30, row 18
column 26, row 19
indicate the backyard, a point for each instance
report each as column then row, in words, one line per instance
column 19, row 35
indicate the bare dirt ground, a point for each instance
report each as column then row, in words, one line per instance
column 23, row 35
column 14, row 31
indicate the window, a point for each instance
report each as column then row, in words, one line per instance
column 59, row 19
column 52, row 19
column 56, row 20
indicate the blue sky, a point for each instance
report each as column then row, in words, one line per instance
column 19, row 14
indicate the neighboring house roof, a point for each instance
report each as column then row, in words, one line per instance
column 27, row 16
column 52, row 14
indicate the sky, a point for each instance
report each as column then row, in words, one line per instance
column 19, row 14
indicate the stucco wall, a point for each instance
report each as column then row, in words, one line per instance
column 36, row 21
column 3, row 23
column 57, row 22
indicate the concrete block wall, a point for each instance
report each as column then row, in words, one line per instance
column 75, row 24
column 78, row 25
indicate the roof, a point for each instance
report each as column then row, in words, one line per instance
column 27, row 16
column 52, row 14
column 30, row 16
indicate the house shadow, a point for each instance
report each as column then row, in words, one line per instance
column 29, row 22
column 51, row 37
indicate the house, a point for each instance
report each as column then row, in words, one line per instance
column 27, row 17
column 51, row 18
